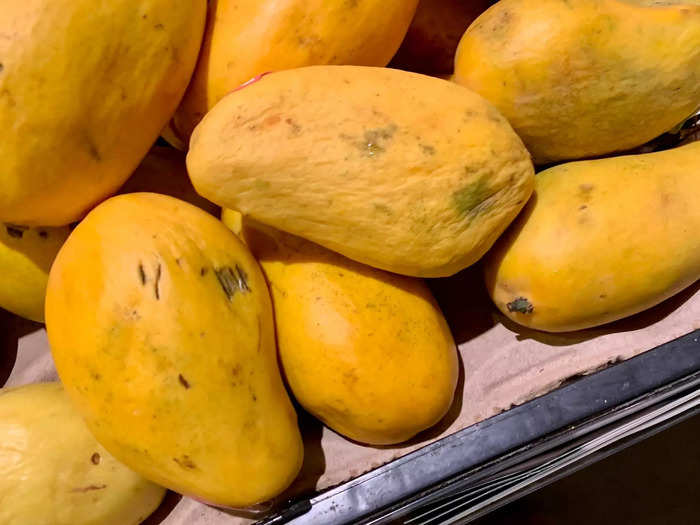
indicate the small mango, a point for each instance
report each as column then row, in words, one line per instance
column 600, row 240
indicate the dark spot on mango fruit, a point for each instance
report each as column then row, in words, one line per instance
column 295, row 128
column 427, row 149
column 185, row 462
column 232, row 281
column 43, row 234
column 520, row 305
column 156, row 285
column 183, row 381
column 142, row 274
column 203, row 272
column 95, row 458
column 2, row 67
column 15, row 231
column 159, row 27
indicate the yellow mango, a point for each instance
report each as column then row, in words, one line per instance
column 55, row 473
column 160, row 324
column 600, row 240
column 420, row 184
column 581, row 78
column 367, row 352
column 164, row 171
column 26, row 255
column 85, row 89
column 245, row 38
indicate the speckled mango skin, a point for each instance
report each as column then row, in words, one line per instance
column 245, row 38
column 600, row 240
column 581, row 78
column 55, row 473
column 419, row 184
column 162, row 332
column 85, row 89
column 26, row 255
column 367, row 352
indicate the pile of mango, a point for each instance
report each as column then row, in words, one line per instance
column 181, row 339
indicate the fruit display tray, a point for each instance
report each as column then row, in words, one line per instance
column 521, row 394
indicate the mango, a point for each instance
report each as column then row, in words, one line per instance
column 420, row 184
column 164, row 171
column 583, row 78
column 26, row 255
column 55, row 473
column 600, row 240
column 367, row 352
column 160, row 325
column 245, row 38
column 432, row 38
column 85, row 89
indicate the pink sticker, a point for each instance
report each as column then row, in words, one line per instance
column 251, row 81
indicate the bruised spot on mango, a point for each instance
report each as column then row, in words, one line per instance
column 521, row 305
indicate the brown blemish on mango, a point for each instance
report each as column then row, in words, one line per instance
column 156, row 285
column 295, row 128
column 427, row 149
column 15, row 231
column 185, row 462
column 142, row 274
column 183, row 381
column 95, row 458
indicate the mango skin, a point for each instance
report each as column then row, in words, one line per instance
column 85, row 89
column 367, row 352
column 245, row 38
column 26, row 255
column 583, row 78
column 162, row 332
column 54, row 472
column 420, row 184
column 600, row 240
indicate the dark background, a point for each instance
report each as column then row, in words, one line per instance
column 655, row 482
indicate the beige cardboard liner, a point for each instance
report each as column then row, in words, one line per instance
column 502, row 365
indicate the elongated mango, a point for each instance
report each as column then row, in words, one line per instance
column 85, row 89
column 55, row 473
column 366, row 351
column 26, row 255
column 160, row 325
column 420, row 184
column 581, row 78
column 600, row 240
column 245, row 38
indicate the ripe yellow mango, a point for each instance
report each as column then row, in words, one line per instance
column 367, row 352
column 85, row 89
column 600, row 240
column 245, row 38
column 54, row 472
column 164, row 171
column 26, row 255
column 585, row 77
column 160, row 324
column 420, row 183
